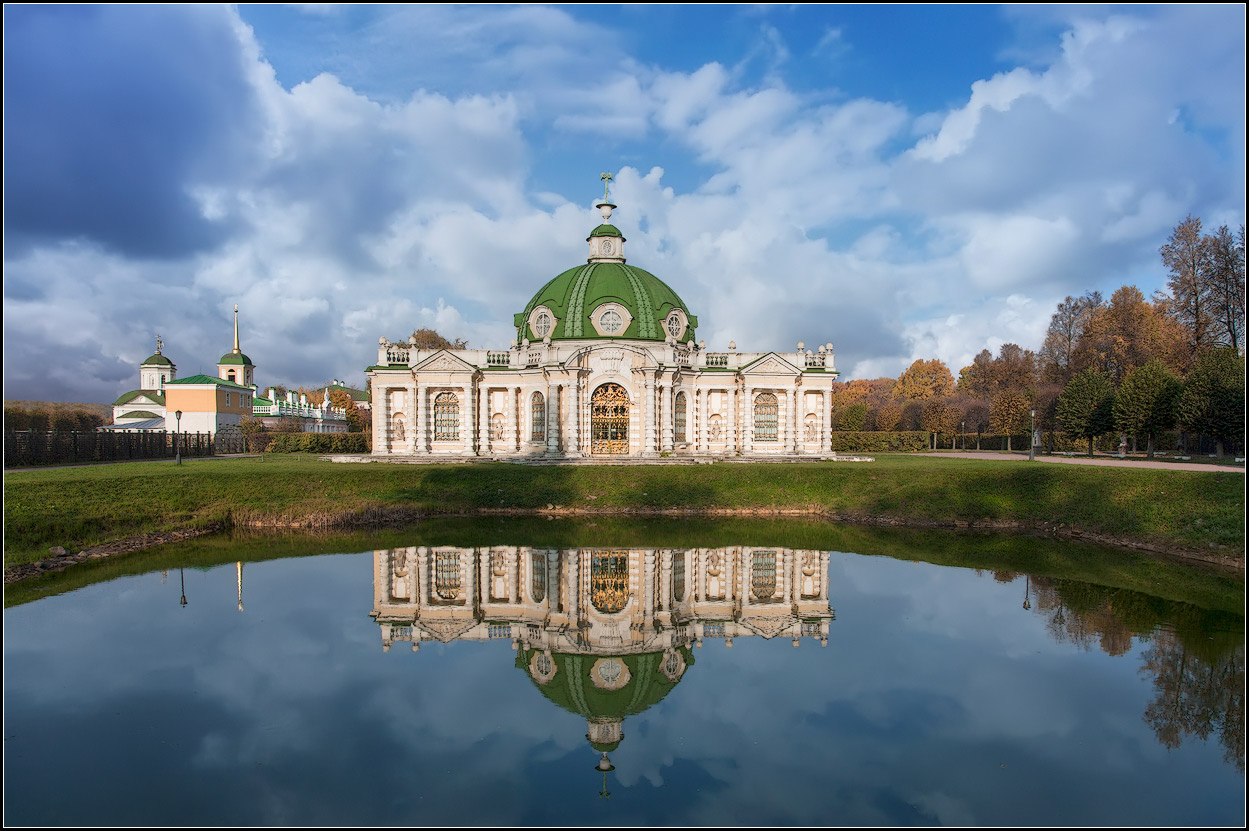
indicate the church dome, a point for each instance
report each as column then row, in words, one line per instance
column 235, row 358
column 157, row 360
column 606, row 298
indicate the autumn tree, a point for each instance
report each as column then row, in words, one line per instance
column 1185, row 256
column 1066, row 327
column 1127, row 333
column 1224, row 278
column 924, row 380
column 853, row 417
column 1009, row 413
column 1212, row 400
column 426, row 338
column 888, row 417
column 1146, row 402
column 1085, row 407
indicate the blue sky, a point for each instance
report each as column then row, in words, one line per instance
column 904, row 181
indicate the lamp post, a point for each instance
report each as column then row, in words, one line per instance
column 1032, row 436
column 182, row 577
column 964, row 432
column 177, row 437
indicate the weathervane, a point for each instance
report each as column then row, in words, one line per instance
column 606, row 177
column 159, row 343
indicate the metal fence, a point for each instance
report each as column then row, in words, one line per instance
column 33, row 448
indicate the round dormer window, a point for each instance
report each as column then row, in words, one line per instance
column 610, row 321
column 676, row 326
column 605, row 247
column 542, row 325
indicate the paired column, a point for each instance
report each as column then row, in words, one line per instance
column 748, row 420
column 573, row 417
column 730, row 425
column 826, row 435
column 409, row 420
column 668, row 416
column 700, row 420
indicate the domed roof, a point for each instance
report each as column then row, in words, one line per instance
column 573, row 688
column 235, row 358
column 156, row 360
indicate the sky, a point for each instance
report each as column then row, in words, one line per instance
column 906, row 182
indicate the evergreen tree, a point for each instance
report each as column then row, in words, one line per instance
column 1085, row 407
column 1146, row 402
column 1213, row 398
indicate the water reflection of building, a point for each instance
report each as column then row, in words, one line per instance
column 605, row 633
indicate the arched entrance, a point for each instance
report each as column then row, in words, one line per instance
column 609, row 420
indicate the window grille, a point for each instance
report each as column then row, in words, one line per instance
column 675, row 327
column 609, row 581
column 611, row 321
column 447, row 575
column 446, row 417
column 763, row 574
column 678, row 577
column 538, row 408
column 765, row 417
column 537, row 568
column 678, row 418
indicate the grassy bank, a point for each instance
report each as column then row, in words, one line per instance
column 1158, row 582
column 80, row 507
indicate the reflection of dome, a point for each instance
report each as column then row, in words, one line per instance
column 605, row 689
column 579, row 296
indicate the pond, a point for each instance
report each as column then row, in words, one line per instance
column 673, row 674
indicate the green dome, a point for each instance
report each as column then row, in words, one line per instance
column 157, row 360
column 235, row 358
column 574, row 690
column 606, row 230
column 574, row 295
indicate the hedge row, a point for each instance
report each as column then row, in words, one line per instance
column 318, row 443
column 863, row 441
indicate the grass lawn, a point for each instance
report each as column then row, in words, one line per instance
column 84, row 506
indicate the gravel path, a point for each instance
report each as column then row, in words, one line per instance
column 1156, row 464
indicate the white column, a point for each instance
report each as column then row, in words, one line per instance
column 648, row 426
column 730, row 426
column 669, row 397
column 483, row 419
column 573, row 417
column 466, row 417
column 826, row 434
column 748, row 420
column 420, row 441
column 791, row 417
column 409, row 421
column 380, row 444
column 552, row 420
column 700, row 420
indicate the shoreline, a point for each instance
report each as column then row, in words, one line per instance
column 1213, row 557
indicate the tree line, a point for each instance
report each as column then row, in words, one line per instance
column 51, row 418
column 1128, row 365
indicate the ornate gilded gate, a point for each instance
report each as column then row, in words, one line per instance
column 609, row 420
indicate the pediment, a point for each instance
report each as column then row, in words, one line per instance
column 771, row 364
column 768, row 627
column 446, row 630
column 444, row 361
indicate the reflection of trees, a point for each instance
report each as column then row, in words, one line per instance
column 1196, row 696
column 1195, row 657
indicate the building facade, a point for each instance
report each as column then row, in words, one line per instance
column 605, row 365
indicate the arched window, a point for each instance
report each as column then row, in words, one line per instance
column 447, row 575
column 765, row 417
column 537, row 568
column 763, row 574
column 230, row 375
column 609, row 581
column 537, row 408
column 446, row 417
column 676, row 326
column 678, row 418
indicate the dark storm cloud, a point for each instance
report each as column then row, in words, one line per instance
column 111, row 114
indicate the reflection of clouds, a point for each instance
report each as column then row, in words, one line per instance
column 933, row 679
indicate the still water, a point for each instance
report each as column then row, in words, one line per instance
column 524, row 684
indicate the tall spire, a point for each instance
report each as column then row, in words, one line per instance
column 237, row 350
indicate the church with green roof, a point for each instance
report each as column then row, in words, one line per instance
column 606, row 363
